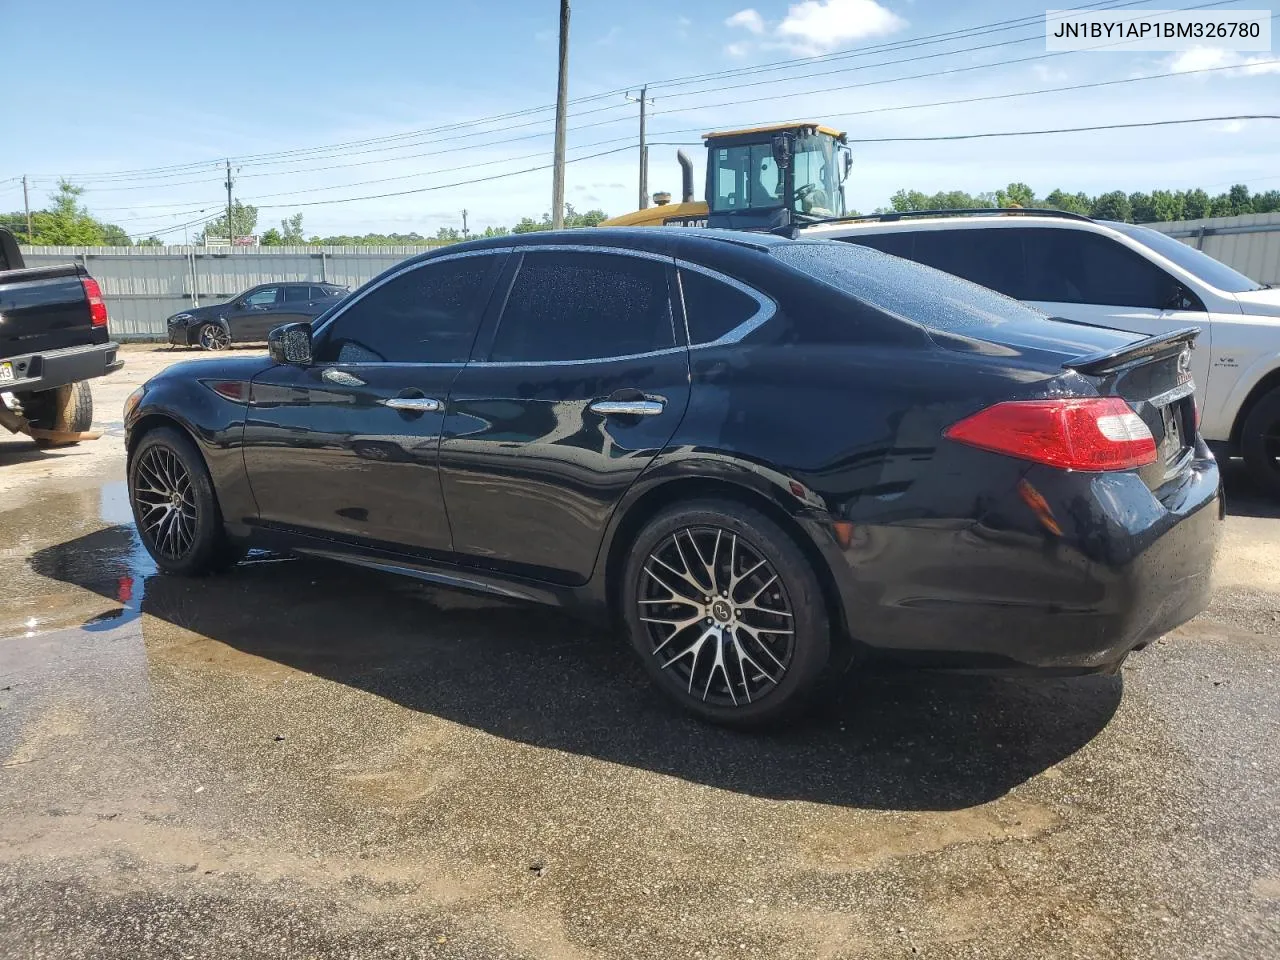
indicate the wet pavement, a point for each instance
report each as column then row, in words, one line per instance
column 300, row 759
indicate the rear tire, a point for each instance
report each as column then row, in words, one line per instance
column 176, row 508
column 1260, row 443
column 67, row 409
column 751, row 649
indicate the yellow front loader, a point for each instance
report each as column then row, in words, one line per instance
column 761, row 178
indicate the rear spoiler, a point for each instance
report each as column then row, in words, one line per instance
column 1109, row 360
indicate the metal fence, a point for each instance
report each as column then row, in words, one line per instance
column 143, row 286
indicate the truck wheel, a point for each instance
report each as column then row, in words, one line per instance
column 213, row 336
column 1260, row 443
column 66, row 409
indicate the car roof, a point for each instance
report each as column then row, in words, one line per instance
column 666, row 241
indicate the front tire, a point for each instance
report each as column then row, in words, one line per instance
column 213, row 336
column 1260, row 443
column 175, row 506
column 726, row 613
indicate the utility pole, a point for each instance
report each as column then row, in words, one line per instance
column 464, row 224
column 644, row 148
column 562, row 105
column 231, row 233
column 26, row 202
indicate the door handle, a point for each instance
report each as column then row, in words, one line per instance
column 628, row 408
column 412, row 404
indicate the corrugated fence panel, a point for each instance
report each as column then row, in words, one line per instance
column 143, row 286
column 1249, row 243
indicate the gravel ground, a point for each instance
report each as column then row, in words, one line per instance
column 300, row 759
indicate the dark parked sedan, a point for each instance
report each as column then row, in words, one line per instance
column 249, row 317
column 767, row 458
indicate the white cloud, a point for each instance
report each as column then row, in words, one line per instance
column 737, row 49
column 1209, row 58
column 1048, row 74
column 748, row 19
column 1231, row 126
column 820, row 26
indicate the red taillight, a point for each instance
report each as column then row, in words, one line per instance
column 97, row 309
column 1095, row 433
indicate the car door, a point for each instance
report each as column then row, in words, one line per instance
column 253, row 314
column 347, row 446
column 294, row 306
column 579, row 379
column 1088, row 276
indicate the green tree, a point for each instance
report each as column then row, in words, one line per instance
column 1195, row 204
column 1070, row 202
column 1016, row 195
column 291, row 230
column 1268, row 202
column 495, row 232
column 1166, row 205
column 451, row 234
column 66, row 222
column 1112, row 206
column 271, row 238
column 152, row 241
column 1143, row 207
column 244, row 218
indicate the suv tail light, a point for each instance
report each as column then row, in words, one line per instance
column 1094, row 433
column 97, row 309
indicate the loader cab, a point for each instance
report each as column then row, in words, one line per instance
column 768, row 177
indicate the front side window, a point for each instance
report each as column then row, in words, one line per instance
column 265, row 297
column 746, row 178
column 584, row 306
column 1076, row 266
column 427, row 315
column 1198, row 264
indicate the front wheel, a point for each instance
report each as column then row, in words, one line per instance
column 213, row 336
column 1260, row 443
column 175, row 506
column 726, row 613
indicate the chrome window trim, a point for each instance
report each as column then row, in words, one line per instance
column 768, row 307
column 586, row 248
column 416, row 265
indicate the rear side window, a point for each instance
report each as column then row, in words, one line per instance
column 428, row 315
column 583, row 306
column 712, row 308
column 297, row 294
column 992, row 258
column 1075, row 266
column 928, row 297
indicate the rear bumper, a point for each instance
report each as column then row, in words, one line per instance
column 47, row 369
column 1068, row 573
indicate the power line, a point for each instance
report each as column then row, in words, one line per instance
column 1101, row 126
column 260, row 159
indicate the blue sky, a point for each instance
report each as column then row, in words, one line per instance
column 143, row 84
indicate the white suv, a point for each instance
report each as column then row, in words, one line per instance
column 1117, row 275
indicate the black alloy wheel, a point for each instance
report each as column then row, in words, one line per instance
column 726, row 613
column 175, row 508
column 213, row 336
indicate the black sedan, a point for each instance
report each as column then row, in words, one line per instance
column 766, row 458
column 249, row 317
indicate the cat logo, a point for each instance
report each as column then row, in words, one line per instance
column 685, row 222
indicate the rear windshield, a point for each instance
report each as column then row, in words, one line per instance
column 933, row 299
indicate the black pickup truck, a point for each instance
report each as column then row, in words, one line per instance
column 53, row 337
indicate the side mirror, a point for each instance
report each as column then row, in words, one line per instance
column 237, row 304
column 782, row 151
column 290, row 343
column 846, row 163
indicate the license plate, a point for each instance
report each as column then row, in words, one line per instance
column 6, row 371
